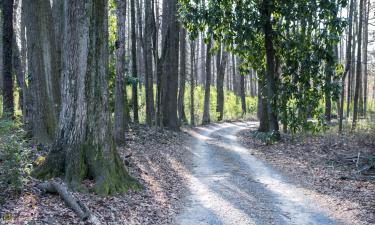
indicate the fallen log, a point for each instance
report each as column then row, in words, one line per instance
column 71, row 201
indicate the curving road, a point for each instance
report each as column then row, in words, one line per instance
column 230, row 186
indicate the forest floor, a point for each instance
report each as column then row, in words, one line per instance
column 338, row 169
column 220, row 174
column 156, row 161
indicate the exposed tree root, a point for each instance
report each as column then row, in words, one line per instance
column 75, row 204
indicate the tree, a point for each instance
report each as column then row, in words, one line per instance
column 348, row 63
column 193, row 66
column 169, row 81
column 134, row 62
column 147, row 51
column 270, row 67
column 182, row 80
column 43, row 90
column 8, row 104
column 121, row 120
column 365, row 58
column 84, row 146
column 221, row 63
column 292, row 33
column 359, row 65
column 207, row 90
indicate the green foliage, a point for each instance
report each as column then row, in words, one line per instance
column 232, row 104
column 268, row 138
column 304, row 33
column 14, row 155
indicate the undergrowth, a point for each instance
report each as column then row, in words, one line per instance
column 14, row 158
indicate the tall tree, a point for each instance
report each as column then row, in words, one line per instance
column 192, row 80
column 8, row 101
column 221, row 63
column 147, row 51
column 134, row 62
column 365, row 58
column 84, row 145
column 270, row 66
column 348, row 62
column 169, row 82
column 120, row 120
column 359, row 65
column 182, row 80
column 207, row 91
column 43, row 91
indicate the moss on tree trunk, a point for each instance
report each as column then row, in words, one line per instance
column 84, row 145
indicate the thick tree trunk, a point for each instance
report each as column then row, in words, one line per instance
column 206, row 108
column 348, row 63
column 192, row 82
column 121, row 120
column 84, row 146
column 182, row 80
column 221, row 63
column 147, row 51
column 352, row 70
column 270, row 69
column 359, row 66
column 169, row 81
column 8, row 101
column 134, row 62
column 43, row 98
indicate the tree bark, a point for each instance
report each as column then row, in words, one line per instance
column 207, row 91
column 359, row 66
column 221, row 63
column 192, row 82
column 242, row 94
column 134, row 62
column 170, row 42
column 84, row 146
column 147, row 51
column 365, row 58
column 182, row 80
column 43, row 91
column 8, row 101
column 121, row 120
column 270, row 69
column 348, row 63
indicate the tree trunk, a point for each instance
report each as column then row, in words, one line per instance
column 192, row 82
column 147, row 51
column 43, row 92
column 348, row 63
column 8, row 101
column 182, row 80
column 121, row 121
column 170, row 42
column 242, row 94
column 365, row 58
column 207, row 90
column 352, row 71
column 84, row 146
column 270, row 69
column 359, row 66
column 262, row 107
column 134, row 62
column 221, row 62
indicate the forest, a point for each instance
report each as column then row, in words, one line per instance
column 187, row 112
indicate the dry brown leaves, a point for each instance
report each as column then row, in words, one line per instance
column 157, row 159
column 329, row 165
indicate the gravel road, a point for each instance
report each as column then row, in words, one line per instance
column 230, row 186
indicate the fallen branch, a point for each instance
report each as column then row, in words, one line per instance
column 76, row 205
